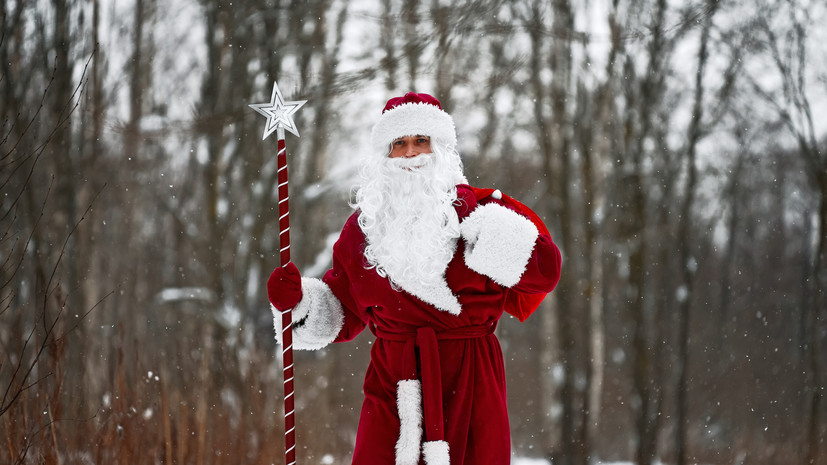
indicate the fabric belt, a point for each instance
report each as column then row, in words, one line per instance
column 426, row 340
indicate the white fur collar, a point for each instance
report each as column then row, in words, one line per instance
column 439, row 295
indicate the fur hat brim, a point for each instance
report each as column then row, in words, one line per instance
column 413, row 119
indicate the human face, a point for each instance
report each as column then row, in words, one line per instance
column 410, row 146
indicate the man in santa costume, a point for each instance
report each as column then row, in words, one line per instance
column 429, row 264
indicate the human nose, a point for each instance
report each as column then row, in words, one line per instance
column 411, row 152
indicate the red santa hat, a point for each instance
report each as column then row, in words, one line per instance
column 413, row 115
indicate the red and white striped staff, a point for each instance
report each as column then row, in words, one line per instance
column 280, row 118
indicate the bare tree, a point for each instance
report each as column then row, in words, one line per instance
column 620, row 181
column 688, row 262
column 789, row 54
column 552, row 51
column 641, row 96
column 33, row 298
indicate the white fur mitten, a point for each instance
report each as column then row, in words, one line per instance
column 498, row 243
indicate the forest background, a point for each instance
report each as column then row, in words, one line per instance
column 676, row 149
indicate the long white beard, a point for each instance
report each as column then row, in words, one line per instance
column 409, row 221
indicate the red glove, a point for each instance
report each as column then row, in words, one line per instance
column 284, row 288
column 466, row 202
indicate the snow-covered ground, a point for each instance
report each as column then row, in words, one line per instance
column 537, row 461
column 529, row 461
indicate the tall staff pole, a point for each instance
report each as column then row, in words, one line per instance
column 280, row 118
column 287, row 315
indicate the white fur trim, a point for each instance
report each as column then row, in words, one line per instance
column 437, row 294
column 412, row 119
column 408, row 404
column 436, row 453
column 317, row 319
column 498, row 243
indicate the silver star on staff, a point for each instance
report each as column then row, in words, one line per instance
column 278, row 112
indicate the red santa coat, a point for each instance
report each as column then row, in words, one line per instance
column 436, row 371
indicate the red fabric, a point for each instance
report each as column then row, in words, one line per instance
column 470, row 368
column 284, row 288
column 520, row 304
column 411, row 97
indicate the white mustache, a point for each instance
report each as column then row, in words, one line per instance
column 413, row 163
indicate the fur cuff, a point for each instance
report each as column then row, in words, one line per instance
column 317, row 319
column 436, row 453
column 498, row 243
column 408, row 404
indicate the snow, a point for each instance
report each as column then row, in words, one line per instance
column 529, row 461
column 178, row 76
column 324, row 259
column 541, row 461
column 175, row 294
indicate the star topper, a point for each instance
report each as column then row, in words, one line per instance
column 278, row 112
